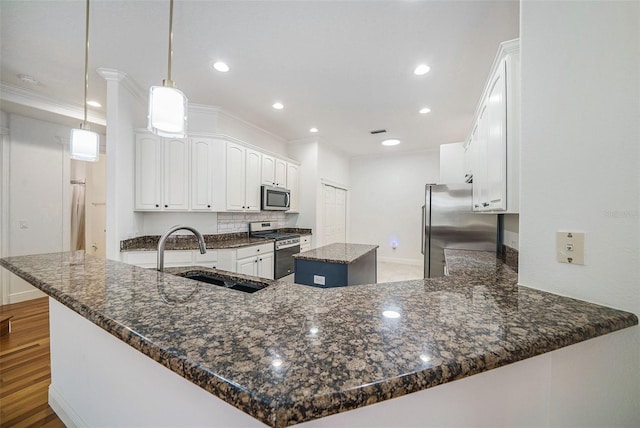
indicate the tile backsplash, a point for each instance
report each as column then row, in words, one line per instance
column 239, row 222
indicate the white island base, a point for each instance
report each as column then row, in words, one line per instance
column 98, row 380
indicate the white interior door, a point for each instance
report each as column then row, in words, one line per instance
column 96, row 210
column 335, row 214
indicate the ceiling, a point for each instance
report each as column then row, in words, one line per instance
column 345, row 67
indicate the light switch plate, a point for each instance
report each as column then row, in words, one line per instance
column 318, row 279
column 570, row 247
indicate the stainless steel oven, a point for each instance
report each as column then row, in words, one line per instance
column 285, row 249
column 286, row 245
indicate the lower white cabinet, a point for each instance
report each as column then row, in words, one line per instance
column 256, row 260
column 172, row 258
column 261, row 266
column 305, row 243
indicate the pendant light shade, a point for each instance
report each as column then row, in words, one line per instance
column 167, row 104
column 167, row 112
column 85, row 144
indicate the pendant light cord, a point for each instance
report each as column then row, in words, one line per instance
column 86, row 64
column 170, row 39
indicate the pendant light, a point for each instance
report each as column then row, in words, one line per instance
column 85, row 144
column 167, row 104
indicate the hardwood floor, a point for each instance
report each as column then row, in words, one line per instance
column 25, row 368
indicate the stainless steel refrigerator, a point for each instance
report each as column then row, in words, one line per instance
column 448, row 221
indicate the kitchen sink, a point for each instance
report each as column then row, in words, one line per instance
column 246, row 287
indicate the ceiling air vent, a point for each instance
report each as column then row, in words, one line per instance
column 378, row 131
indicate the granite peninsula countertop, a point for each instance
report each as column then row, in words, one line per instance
column 341, row 253
column 189, row 242
column 334, row 350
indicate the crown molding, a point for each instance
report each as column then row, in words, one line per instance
column 38, row 101
column 123, row 78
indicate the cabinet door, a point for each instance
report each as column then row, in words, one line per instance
column 496, row 179
column 281, row 173
column 247, row 266
column 294, row 186
column 148, row 174
column 176, row 174
column 235, row 188
column 202, row 163
column 266, row 268
column 480, row 191
column 252, row 180
column 268, row 170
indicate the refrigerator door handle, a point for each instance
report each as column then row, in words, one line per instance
column 422, row 231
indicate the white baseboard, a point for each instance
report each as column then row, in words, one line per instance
column 64, row 411
column 403, row 261
column 26, row 295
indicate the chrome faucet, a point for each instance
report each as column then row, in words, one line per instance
column 163, row 241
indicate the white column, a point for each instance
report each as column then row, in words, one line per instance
column 125, row 112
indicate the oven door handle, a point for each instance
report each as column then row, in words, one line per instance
column 283, row 247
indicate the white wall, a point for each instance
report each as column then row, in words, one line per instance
column 511, row 236
column 306, row 152
column 452, row 168
column 580, row 165
column 387, row 193
column 580, row 141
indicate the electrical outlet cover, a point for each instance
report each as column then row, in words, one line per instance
column 570, row 247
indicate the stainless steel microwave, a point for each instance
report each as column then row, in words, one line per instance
column 275, row 198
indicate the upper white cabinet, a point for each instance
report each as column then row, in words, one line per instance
column 205, row 173
column 492, row 151
column 162, row 173
column 274, row 171
column 203, row 152
column 242, row 178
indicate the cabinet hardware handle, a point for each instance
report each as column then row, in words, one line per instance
column 258, row 249
column 157, row 206
column 208, row 206
column 485, row 204
column 166, row 206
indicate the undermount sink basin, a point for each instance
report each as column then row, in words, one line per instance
column 246, row 287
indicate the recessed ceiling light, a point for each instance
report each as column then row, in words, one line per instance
column 278, row 106
column 391, row 142
column 425, row 110
column 221, row 67
column 313, row 130
column 421, row 69
column 28, row 79
column 93, row 103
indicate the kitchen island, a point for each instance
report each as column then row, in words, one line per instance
column 290, row 353
column 337, row 265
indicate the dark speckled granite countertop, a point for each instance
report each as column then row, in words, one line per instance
column 337, row 253
column 189, row 242
column 335, row 349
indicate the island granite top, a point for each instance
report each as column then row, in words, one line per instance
column 341, row 253
column 291, row 353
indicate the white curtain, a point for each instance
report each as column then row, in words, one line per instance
column 77, row 216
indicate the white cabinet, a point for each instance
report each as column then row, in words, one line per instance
column 172, row 258
column 242, row 178
column 492, row 153
column 261, row 266
column 255, row 260
column 293, row 184
column 274, row 171
column 203, row 152
column 162, row 173
column 305, row 243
